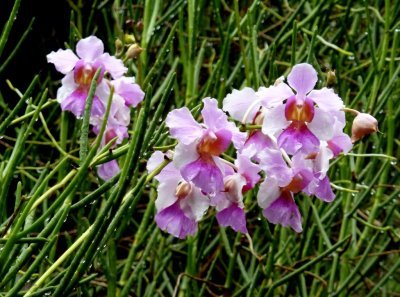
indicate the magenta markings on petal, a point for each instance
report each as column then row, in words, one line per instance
column 173, row 220
column 234, row 217
column 285, row 212
column 205, row 174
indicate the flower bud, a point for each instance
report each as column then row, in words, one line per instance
column 134, row 51
column 129, row 39
column 330, row 78
column 119, row 46
column 183, row 189
column 363, row 124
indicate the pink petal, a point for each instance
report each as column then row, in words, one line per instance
column 321, row 188
column 237, row 104
column 213, row 117
column 326, row 99
column 129, row 90
column 98, row 108
column 285, row 212
column 322, row 125
column 340, row 143
column 174, row 221
column 205, row 175
column 293, row 112
column 89, row 48
column 63, row 60
column 256, row 143
column 302, row 78
column 214, row 143
column 75, row 102
column 108, row 170
column 238, row 138
column 274, row 120
column 154, row 161
column 271, row 161
column 297, row 137
column 233, row 217
column 182, row 125
column 249, row 170
column 112, row 65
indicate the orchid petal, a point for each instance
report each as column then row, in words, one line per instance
column 89, row 48
column 302, row 78
column 182, row 125
column 326, row 99
column 63, row 60
column 233, row 217
column 238, row 103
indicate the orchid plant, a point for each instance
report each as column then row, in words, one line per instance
column 301, row 131
column 79, row 72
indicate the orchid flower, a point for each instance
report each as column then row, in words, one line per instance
column 200, row 145
column 229, row 203
column 180, row 204
column 79, row 71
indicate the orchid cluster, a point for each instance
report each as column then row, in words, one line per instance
column 79, row 71
column 292, row 133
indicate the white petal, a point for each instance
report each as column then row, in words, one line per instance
column 166, row 194
column 154, row 161
column 195, row 204
column 185, row 154
column 326, row 99
column 238, row 103
column 268, row 192
column 274, row 120
column 322, row 124
column 274, row 95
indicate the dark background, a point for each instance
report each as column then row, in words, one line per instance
column 49, row 32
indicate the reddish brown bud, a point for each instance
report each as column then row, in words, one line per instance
column 363, row 124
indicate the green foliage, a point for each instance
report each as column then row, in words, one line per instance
column 63, row 232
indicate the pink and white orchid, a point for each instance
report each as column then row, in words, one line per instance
column 297, row 123
column 180, row 204
column 229, row 203
column 200, row 145
column 79, row 71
